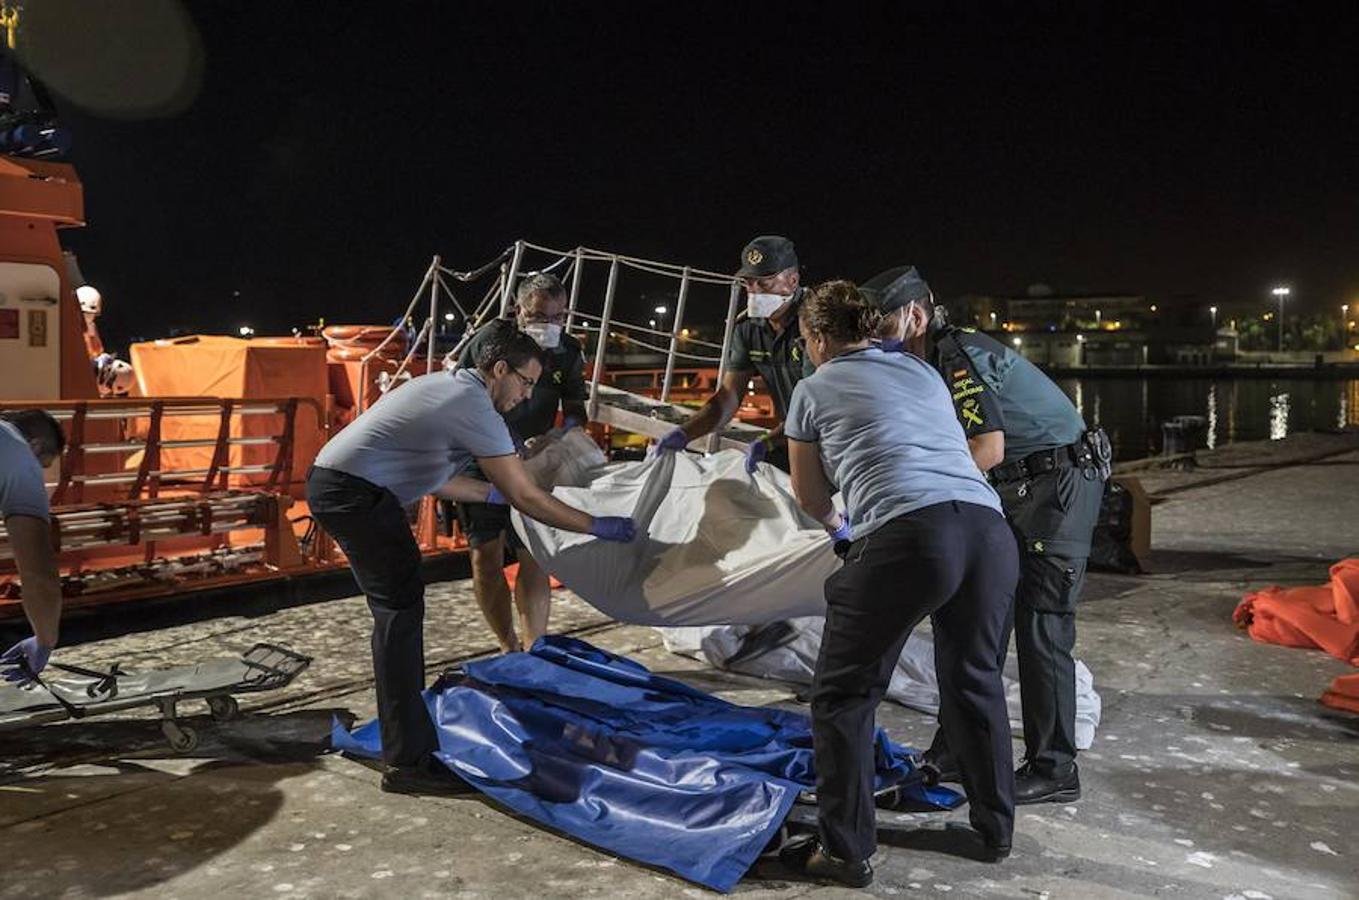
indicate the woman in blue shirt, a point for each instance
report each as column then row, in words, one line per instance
column 927, row 538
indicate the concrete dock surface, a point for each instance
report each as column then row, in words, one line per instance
column 1215, row 772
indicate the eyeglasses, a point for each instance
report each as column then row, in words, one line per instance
column 529, row 383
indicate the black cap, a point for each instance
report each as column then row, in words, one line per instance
column 893, row 289
column 768, row 254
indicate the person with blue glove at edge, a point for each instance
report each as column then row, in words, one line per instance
column 927, row 539
column 414, row 441
column 30, row 441
column 768, row 342
column 540, row 312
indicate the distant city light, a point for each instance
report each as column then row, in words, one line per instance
column 1018, row 342
column 684, row 332
column 448, row 317
column 661, row 310
column 1153, row 307
column 1281, row 291
column 1080, row 339
column 246, row 331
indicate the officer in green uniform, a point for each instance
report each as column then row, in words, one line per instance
column 541, row 314
column 1049, row 470
column 768, row 342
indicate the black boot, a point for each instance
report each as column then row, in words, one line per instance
column 1032, row 786
column 427, row 777
column 939, row 766
column 810, row 859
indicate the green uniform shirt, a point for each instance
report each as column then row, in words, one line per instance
column 562, row 381
column 996, row 389
column 779, row 357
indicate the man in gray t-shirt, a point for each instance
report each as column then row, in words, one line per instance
column 30, row 441
column 416, row 441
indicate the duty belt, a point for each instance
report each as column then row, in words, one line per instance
column 1042, row 462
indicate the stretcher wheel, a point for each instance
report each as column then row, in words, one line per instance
column 182, row 738
column 223, row 708
column 102, row 690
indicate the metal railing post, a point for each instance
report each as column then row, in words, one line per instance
column 674, row 336
column 508, row 293
column 726, row 345
column 433, row 310
column 576, row 278
column 603, row 337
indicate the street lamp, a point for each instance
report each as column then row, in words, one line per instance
column 1281, row 292
column 1344, row 323
column 993, row 321
column 1099, row 317
column 1212, row 311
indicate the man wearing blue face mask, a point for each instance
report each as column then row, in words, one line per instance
column 541, row 314
column 768, row 341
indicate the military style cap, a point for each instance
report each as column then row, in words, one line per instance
column 895, row 288
column 768, row 254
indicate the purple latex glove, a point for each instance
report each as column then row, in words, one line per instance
column 841, row 532
column 891, row 345
column 620, row 529
column 674, row 441
column 24, row 660
column 756, row 451
column 494, row 496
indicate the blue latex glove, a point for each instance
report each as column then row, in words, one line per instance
column 614, row 528
column 496, row 497
column 28, row 652
column 891, row 345
column 756, row 451
column 841, row 532
column 674, row 441
column 570, row 422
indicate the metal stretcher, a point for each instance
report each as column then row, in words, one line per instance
column 80, row 693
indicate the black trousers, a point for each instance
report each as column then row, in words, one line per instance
column 956, row 563
column 371, row 527
column 1053, row 517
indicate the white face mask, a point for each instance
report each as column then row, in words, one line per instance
column 547, row 335
column 762, row 306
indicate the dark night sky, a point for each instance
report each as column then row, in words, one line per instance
column 334, row 147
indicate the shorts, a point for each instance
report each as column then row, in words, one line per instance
column 484, row 522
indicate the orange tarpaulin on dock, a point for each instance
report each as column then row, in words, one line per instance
column 1325, row 617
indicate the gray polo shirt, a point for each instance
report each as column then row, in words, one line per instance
column 889, row 439
column 420, row 435
column 22, row 492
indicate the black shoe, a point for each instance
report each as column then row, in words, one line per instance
column 808, row 858
column 1032, row 786
column 939, row 767
column 994, row 852
column 429, row 778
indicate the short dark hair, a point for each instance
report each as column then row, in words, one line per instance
column 540, row 283
column 511, row 345
column 39, row 426
column 838, row 310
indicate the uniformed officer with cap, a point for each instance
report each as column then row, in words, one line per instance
column 1049, row 470
column 767, row 341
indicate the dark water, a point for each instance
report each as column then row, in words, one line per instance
column 1237, row 409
